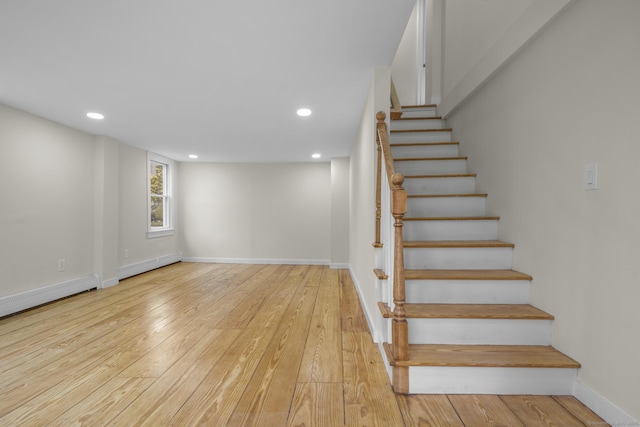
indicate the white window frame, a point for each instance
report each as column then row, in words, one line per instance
column 167, row 213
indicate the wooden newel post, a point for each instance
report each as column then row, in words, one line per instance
column 400, row 330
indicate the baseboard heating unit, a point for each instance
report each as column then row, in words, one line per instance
column 32, row 298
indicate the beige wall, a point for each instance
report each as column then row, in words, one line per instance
column 471, row 28
column 107, row 208
column 340, row 212
column 47, row 209
column 362, row 193
column 259, row 212
column 567, row 99
column 73, row 196
column 404, row 67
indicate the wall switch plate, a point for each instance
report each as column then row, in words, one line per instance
column 590, row 179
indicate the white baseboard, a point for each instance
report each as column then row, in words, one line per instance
column 374, row 331
column 257, row 261
column 602, row 406
column 23, row 300
column 110, row 282
column 148, row 265
column 338, row 265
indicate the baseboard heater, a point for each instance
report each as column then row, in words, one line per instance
column 148, row 265
column 32, row 298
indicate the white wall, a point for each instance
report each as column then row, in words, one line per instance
column 47, row 202
column 471, row 28
column 404, row 67
column 73, row 196
column 569, row 98
column 362, row 194
column 256, row 212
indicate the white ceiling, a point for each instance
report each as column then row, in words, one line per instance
column 222, row 79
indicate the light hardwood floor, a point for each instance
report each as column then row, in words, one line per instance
column 226, row 345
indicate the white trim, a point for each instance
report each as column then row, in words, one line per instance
column 148, row 265
column 110, row 282
column 421, row 60
column 434, row 47
column 160, row 233
column 523, row 30
column 28, row 299
column 602, row 406
column 169, row 214
column 338, row 265
column 257, row 261
column 375, row 334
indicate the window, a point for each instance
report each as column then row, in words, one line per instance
column 159, row 215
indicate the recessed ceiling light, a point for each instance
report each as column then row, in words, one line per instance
column 193, row 156
column 95, row 116
column 316, row 155
column 303, row 112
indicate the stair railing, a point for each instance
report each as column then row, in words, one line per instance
column 396, row 108
column 399, row 329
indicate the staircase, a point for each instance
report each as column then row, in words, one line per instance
column 470, row 326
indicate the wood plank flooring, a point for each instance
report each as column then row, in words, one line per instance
column 226, row 345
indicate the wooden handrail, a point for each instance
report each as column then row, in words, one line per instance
column 377, row 243
column 399, row 330
column 396, row 108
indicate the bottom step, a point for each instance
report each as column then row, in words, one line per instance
column 485, row 369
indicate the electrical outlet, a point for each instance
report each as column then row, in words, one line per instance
column 126, row 253
column 61, row 264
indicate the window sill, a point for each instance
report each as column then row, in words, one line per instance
column 160, row 233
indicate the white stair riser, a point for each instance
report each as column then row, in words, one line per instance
column 438, row 136
column 446, row 207
column 451, row 230
column 450, row 185
column 419, row 112
column 417, row 124
column 458, row 258
column 431, row 167
column 468, row 291
column 422, row 151
column 481, row 380
column 479, row 331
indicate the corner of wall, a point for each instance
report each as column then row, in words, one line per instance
column 523, row 29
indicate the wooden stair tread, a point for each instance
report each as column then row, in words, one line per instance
column 420, row 130
column 380, row 274
column 422, row 144
column 451, row 175
column 417, row 196
column 475, row 311
column 410, row 159
column 455, row 218
column 419, row 106
column 503, row 356
column 385, row 310
column 457, row 244
column 465, row 275
column 419, row 118
column 468, row 311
